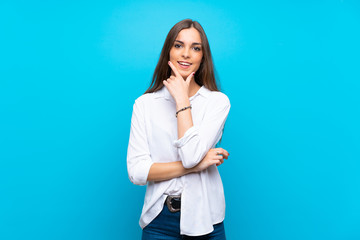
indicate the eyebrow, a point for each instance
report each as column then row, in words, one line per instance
column 194, row 43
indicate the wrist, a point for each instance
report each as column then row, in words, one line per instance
column 183, row 109
column 184, row 102
column 190, row 170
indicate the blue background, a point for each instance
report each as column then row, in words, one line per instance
column 69, row 75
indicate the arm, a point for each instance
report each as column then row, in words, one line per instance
column 195, row 141
column 198, row 139
column 184, row 118
column 166, row 171
column 179, row 89
column 138, row 154
column 140, row 166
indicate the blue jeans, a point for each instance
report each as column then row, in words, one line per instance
column 166, row 226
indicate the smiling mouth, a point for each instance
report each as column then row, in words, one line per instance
column 184, row 64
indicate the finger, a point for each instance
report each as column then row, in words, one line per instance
column 219, row 151
column 220, row 162
column 226, row 154
column 177, row 74
column 219, row 157
column 190, row 77
column 165, row 83
column 170, row 79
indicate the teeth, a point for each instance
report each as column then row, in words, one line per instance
column 185, row 64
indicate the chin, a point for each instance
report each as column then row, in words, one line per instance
column 187, row 73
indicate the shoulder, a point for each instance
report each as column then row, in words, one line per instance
column 217, row 97
column 145, row 98
column 139, row 104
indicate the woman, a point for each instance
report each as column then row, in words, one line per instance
column 174, row 128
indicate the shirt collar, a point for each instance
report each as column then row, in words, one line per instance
column 164, row 93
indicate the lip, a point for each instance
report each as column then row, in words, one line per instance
column 182, row 66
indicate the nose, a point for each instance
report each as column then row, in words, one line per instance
column 186, row 52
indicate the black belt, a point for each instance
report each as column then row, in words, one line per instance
column 173, row 203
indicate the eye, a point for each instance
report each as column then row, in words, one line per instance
column 197, row 49
column 177, row 45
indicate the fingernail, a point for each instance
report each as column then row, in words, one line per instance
column 193, row 73
column 168, row 62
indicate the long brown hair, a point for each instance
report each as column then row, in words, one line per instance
column 204, row 75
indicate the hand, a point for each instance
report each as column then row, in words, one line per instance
column 178, row 88
column 214, row 156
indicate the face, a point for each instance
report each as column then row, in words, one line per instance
column 186, row 53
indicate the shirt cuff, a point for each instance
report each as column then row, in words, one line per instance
column 190, row 133
column 142, row 173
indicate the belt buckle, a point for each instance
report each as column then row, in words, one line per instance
column 169, row 200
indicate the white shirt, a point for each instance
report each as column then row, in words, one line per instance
column 154, row 138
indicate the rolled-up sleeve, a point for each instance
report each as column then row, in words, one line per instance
column 199, row 139
column 138, row 154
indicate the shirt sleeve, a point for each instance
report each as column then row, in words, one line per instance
column 138, row 154
column 199, row 139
